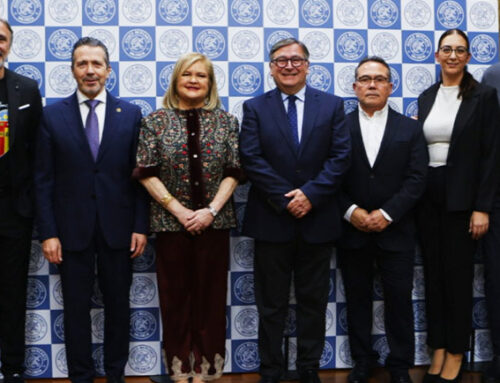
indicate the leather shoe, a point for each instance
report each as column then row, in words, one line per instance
column 430, row 378
column 360, row 373
column 13, row 378
column 115, row 379
column 309, row 376
column 401, row 378
column 268, row 379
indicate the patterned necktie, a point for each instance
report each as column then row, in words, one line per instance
column 92, row 127
column 292, row 119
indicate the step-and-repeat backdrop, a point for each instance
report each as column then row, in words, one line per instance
column 144, row 38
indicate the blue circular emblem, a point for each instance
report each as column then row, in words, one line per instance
column 145, row 110
column 484, row 347
column 106, row 37
column 418, row 46
column 174, row 43
column 111, row 81
column 421, row 350
column 412, row 109
column 450, row 14
column 292, row 354
column 396, row 80
column 345, row 353
column 245, row 44
column 393, row 106
column 382, row 347
column 37, row 260
column 245, row 11
column 173, row 11
column 246, row 79
column 57, row 292
column 342, row 319
column 27, row 44
column 275, row 37
column 319, row 78
column 340, row 286
column 63, row 11
column 220, row 77
column 350, row 105
column 246, row 322
column 36, row 361
column 318, row 44
column 147, row 259
column 246, row 356
column 166, row 76
column 97, row 297
column 280, row 11
column 483, row 48
column 478, row 74
column 32, row 72
column 26, row 11
column 61, row 363
column 210, row 11
column 142, row 358
column 482, row 15
column 419, row 316
column 244, row 289
column 35, row 328
column 384, row 13
column 316, row 12
column 137, row 11
column 142, row 325
column 211, row 43
column 137, row 79
column 243, row 253
column 241, row 191
column 385, row 45
column 58, row 326
column 328, row 319
column 37, row 293
column 418, row 282
column 98, row 356
column 350, row 12
column 137, row 44
column 98, row 324
column 378, row 318
column 100, row 11
column 351, row 46
column 61, row 43
column 480, row 314
column 418, row 79
column 327, row 355
column 290, row 322
column 479, row 279
column 143, row 290
column 417, row 13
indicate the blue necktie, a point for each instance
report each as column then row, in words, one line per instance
column 92, row 127
column 292, row 119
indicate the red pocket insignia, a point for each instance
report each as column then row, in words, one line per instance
column 4, row 132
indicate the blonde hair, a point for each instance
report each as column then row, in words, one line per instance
column 171, row 98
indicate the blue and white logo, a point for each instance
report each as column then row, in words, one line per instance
column 450, row 14
column 396, row 80
column 97, row 297
column 145, row 110
column 419, row 316
column 393, row 106
column 173, row 11
column 63, row 11
column 98, row 356
column 350, row 12
column 143, row 325
column 418, row 275
column 57, row 293
column 327, row 355
column 37, row 260
column 417, row 13
column 58, row 326
column 275, row 37
column 482, row 15
column 417, row 80
column 478, row 74
column 290, row 321
column 342, row 319
column 421, row 351
column 32, row 72
column 246, row 322
column 280, row 11
column 98, row 324
column 316, row 12
column 351, row 46
column 166, row 76
column 243, row 253
column 245, row 44
column 244, row 289
column 484, row 348
column 106, row 37
column 147, row 259
column 61, row 362
column 385, row 45
column 483, row 48
column 137, row 44
column 318, row 44
column 137, row 79
column 418, row 46
column 137, row 11
column 246, row 356
column 245, row 12
column 143, row 290
column 382, row 347
column 210, row 11
column 319, row 77
column 26, row 11
column 174, row 43
column 328, row 319
column 61, row 43
column 211, row 43
column 246, row 79
column 384, row 13
column 241, row 191
column 36, row 361
column 480, row 314
column 378, row 318
column 345, row 353
column 100, row 11
column 345, row 79
column 27, row 44
column 37, row 293
column 111, row 81
column 220, row 77
column 350, row 105
column 412, row 109
column 142, row 358
column 35, row 328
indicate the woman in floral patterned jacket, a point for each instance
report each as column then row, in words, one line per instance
column 188, row 161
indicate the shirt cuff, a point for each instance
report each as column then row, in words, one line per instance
column 386, row 216
column 141, row 172
column 348, row 213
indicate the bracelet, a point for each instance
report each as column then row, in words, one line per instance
column 166, row 199
column 212, row 211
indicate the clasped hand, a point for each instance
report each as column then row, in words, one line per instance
column 195, row 222
column 299, row 204
column 369, row 222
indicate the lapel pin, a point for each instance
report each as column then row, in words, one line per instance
column 118, row 110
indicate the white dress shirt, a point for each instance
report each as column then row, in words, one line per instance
column 299, row 103
column 100, row 109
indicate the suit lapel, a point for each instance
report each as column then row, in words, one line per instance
column 13, row 100
column 465, row 111
column 390, row 130
column 276, row 105
column 111, row 124
column 426, row 101
column 357, row 138
column 311, row 108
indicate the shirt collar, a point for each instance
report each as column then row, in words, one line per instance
column 82, row 98
column 301, row 95
column 378, row 114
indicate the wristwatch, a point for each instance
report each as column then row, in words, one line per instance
column 212, row 211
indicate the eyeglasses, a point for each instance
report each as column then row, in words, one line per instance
column 367, row 80
column 282, row 62
column 459, row 51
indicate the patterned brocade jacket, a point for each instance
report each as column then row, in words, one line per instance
column 190, row 151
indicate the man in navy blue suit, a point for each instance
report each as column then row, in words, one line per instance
column 294, row 149
column 385, row 180
column 90, row 212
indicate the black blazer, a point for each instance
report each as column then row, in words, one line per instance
column 394, row 183
column 472, row 166
column 25, row 109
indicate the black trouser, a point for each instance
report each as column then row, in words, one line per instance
column 273, row 268
column 396, row 269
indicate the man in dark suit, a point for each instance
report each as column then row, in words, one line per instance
column 20, row 110
column 385, row 180
column 294, row 149
column 88, row 205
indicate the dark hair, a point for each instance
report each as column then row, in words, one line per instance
column 377, row 59
column 6, row 23
column 286, row 42
column 468, row 83
column 91, row 42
